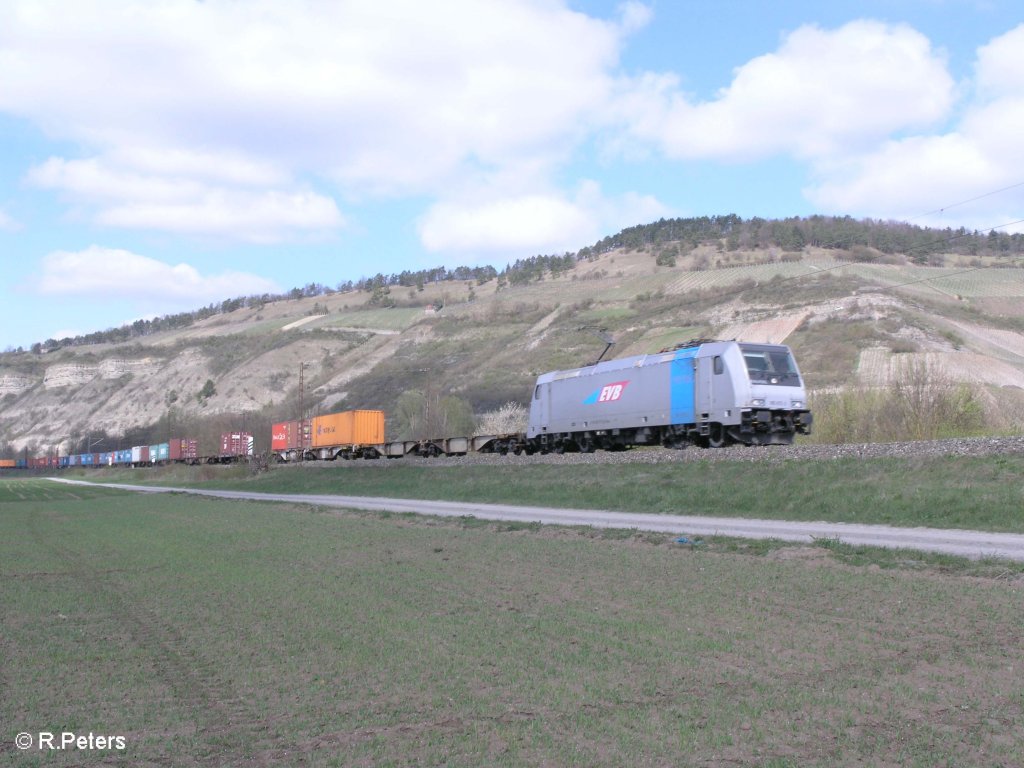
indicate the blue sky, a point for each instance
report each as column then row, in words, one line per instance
column 157, row 156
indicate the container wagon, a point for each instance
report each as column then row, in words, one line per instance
column 159, row 453
column 183, row 450
column 234, row 446
column 289, row 440
column 347, row 435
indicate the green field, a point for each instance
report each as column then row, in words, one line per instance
column 234, row 633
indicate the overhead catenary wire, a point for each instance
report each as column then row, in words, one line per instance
column 945, row 208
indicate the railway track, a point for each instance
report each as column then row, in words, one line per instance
column 972, row 446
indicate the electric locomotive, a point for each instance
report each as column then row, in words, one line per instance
column 704, row 392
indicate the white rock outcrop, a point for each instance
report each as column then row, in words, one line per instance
column 15, row 384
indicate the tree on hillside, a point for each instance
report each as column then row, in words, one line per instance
column 422, row 415
column 208, row 391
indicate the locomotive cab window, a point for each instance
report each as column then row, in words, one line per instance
column 770, row 365
column 536, row 392
column 719, row 368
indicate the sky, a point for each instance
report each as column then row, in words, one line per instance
column 160, row 155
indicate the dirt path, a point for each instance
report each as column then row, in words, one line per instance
column 974, row 544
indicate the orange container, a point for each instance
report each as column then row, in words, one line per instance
column 367, row 427
column 348, row 428
column 328, row 430
column 7, row 463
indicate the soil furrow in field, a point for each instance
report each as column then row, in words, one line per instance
column 224, row 723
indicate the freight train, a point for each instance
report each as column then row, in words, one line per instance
column 234, row 446
column 705, row 392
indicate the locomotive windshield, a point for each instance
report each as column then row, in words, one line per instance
column 770, row 365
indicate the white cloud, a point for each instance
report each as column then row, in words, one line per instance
column 908, row 177
column 398, row 97
column 1000, row 64
column 531, row 223
column 124, row 197
column 634, row 15
column 247, row 120
column 265, row 217
column 527, row 224
column 101, row 182
column 7, row 223
column 114, row 273
column 823, row 92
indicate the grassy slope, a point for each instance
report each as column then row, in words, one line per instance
column 233, row 633
column 487, row 350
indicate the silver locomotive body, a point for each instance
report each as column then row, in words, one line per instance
column 710, row 393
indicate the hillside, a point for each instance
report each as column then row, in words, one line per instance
column 852, row 317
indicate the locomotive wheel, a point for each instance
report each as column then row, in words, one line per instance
column 717, row 437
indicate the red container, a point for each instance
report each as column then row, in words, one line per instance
column 236, row 444
column 183, row 449
column 286, row 435
column 144, row 454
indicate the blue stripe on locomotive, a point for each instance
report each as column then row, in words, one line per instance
column 681, row 389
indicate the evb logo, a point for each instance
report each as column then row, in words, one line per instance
column 609, row 393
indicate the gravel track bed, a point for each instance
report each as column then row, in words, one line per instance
column 972, row 446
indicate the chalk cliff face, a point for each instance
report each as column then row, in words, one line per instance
column 13, row 384
column 76, row 374
column 114, row 395
column 252, row 358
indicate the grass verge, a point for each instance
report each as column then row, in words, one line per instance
column 982, row 493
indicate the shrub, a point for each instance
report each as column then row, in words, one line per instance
column 919, row 404
column 511, row 417
column 425, row 415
